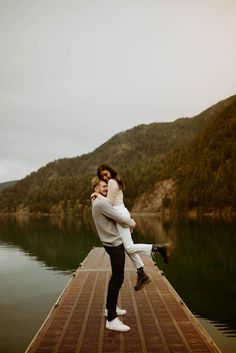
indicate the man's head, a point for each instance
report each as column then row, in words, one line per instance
column 99, row 186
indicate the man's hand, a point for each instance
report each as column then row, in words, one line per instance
column 93, row 196
column 133, row 225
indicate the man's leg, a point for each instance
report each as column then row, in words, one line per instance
column 117, row 258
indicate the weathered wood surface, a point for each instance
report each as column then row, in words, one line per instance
column 159, row 320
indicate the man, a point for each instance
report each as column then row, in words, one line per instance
column 105, row 219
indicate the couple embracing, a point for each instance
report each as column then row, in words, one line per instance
column 114, row 226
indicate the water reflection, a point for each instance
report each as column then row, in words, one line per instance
column 154, row 229
column 58, row 243
column 202, row 269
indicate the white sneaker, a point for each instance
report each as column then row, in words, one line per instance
column 119, row 311
column 117, row 325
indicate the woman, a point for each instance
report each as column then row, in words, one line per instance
column 115, row 198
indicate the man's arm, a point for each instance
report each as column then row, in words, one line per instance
column 109, row 211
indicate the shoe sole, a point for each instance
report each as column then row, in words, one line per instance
column 113, row 329
column 143, row 284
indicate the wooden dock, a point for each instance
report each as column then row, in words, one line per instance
column 159, row 320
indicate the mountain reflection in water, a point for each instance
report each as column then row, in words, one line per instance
column 202, row 268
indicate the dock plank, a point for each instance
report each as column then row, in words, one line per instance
column 159, row 320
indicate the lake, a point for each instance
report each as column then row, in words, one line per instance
column 39, row 256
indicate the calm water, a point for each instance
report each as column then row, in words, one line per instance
column 38, row 257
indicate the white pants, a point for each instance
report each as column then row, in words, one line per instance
column 132, row 249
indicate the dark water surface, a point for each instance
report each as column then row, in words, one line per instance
column 38, row 257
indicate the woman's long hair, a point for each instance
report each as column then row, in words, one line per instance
column 114, row 174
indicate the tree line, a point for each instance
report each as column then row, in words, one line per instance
column 198, row 153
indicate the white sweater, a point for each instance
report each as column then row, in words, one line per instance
column 105, row 217
column 115, row 194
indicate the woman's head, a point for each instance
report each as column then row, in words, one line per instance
column 106, row 172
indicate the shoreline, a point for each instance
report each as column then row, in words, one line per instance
column 226, row 215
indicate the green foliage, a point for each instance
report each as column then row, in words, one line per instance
column 199, row 154
column 206, row 170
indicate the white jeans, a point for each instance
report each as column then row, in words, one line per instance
column 132, row 249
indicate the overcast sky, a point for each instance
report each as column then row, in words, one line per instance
column 73, row 73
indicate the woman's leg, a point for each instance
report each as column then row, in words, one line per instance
column 127, row 239
column 133, row 250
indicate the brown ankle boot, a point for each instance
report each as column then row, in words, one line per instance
column 164, row 250
column 142, row 280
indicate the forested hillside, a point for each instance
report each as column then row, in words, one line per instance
column 204, row 169
column 197, row 153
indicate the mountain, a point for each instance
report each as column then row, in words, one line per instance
column 7, row 184
column 204, row 169
column 208, row 165
column 197, row 154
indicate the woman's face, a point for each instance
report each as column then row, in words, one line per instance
column 106, row 175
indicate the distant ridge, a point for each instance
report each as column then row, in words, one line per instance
column 197, row 154
column 7, row 184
